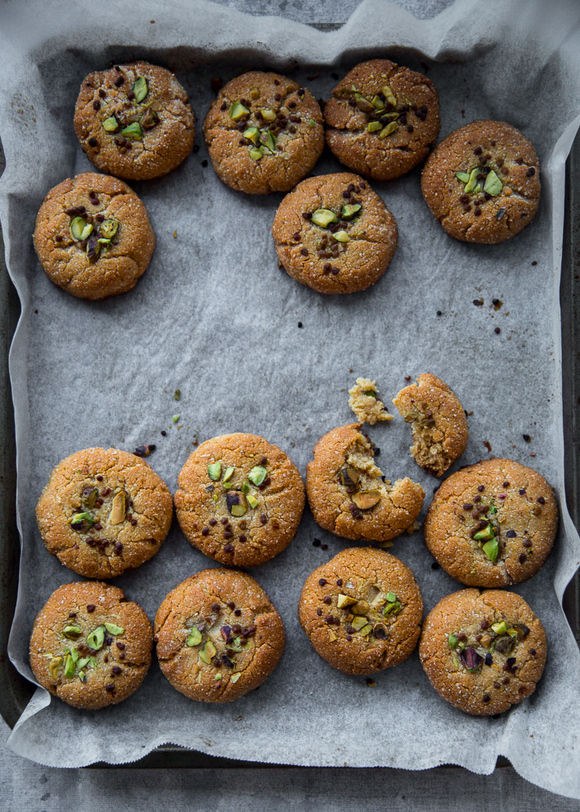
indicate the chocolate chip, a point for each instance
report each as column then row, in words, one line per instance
column 110, row 688
column 322, row 582
column 96, row 105
column 205, row 531
column 92, row 142
column 91, row 608
column 541, row 500
column 511, row 534
column 119, row 81
column 531, row 171
column 327, row 599
column 116, row 670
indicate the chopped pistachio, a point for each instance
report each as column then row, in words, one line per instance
column 90, row 496
column 499, row 628
column 311, row 123
column 140, row 89
column 390, row 128
column 111, row 125
column 238, row 111
column 344, row 601
column 513, row 632
column 82, row 662
column 365, row 500
column 323, row 218
column 331, row 636
column 82, row 676
column 118, row 509
column 245, row 486
column 486, row 534
column 491, row 549
column 341, row 236
column 112, row 628
column 452, row 640
column 69, row 666
column 109, row 228
column 366, row 630
column 72, row 632
column 392, row 608
column 96, row 638
column 358, row 623
column 268, row 141
column 374, row 126
column 149, row 119
column 133, row 132
column 462, row 176
column 74, row 654
column 194, row 637
column 391, row 597
column 258, row 474
column 80, row 229
column 54, row 667
column 82, row 521
column 378, row 103
column 252, row 134
column 256, row 154
column 360, row 608
column 214, row 470
column 255, row 93
column 252, row 500
column 235, row 677
column 364, row 105
column 493, row 184
column 350, row 210
column 389, row 95
column 472, row 182
column 217, row 676
column 267, row 114
column 236, row 503
column 228, row 474
column 349, row 477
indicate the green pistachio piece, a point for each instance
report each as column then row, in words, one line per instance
column 374, row 126
column 84, row 661
column 96, row 638
column 341, row 236
column 491, row 549
column 140, row 89
column 258, row 474
column 82, row 676
column 235, row 677
column 390, row 128
column 69, row 667
column 93, row 661
column 246, row 486
column 149, row 119
column 493, row 184
column 236, row 503
column 486, row 534
column 472, row 182
column 256, row 154
column 499, row 628
column 378, row 103
column 54, row 667
column 207, row 652
column 366, row 630
column 391, row 597
column 358, row 623
column 90, row 496
column 118, row 509
column 238, row 111
column 392, row 608
column 268, row 141
column 252, row 134
column 82, row 521
column 389, row 95
column 175, row 418
column 228, row 474
column 452, row 640
column 109, row 228
column 112, row 628
column 253, row 502
column 350, row 211
column 513, row 632
column 311, row 123
column 323, row 217
column 370, row 393
column 214, row 470
column 217, row 676
column 194, row 637
column 133, row 132
column 74, row 654
column 80, row 229
column 72, row 632
column 463, row 176
column 267, row 114
column 111, row 125
column 364, row 105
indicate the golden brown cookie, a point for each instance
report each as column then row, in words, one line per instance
column 90, row 646
column 93, row 237
column 334, row 234
column 348, row 494
column 366, row 403
column 382, row 119
column 134, row 121
column 240, row 499
column 218, row 636
column 264, row 133
column 482, row 182
column 492, row 524
column 103, row 511
column 483, row 651
column 438, row 421
column 362, row 611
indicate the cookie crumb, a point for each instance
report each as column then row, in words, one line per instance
column 366, row 404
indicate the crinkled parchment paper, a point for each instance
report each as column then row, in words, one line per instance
column 216, row 318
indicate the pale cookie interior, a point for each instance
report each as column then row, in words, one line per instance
column 366, row 404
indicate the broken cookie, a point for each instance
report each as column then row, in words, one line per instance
column 366, row 404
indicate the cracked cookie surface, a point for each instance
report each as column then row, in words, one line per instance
column 240, row 499
column 134, row 121
column 362, row 611
column 93, row 237
column 438, row 421
column 492, row 524
column 348, row 494
column 483, row 651
column 482, row 182
column 334, row 234
column 382, row 119
column 218, row 636
column 104, row 511
column 90, row 646
column 264, row 133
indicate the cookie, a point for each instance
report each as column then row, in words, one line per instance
column 264, row 133
column 218, row 636
column 483, row 651
column 362, row 611
column 90, row 646
column 240, row 499
column 348, row 494
column 103, row 511
column 482, row 182
column 382, row 119
column 366, row 404
column 334, row 234
column 134, row 121
column 492, row 524
column 93, row 237
column 438, row 421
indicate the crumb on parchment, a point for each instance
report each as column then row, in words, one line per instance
column 366, row 404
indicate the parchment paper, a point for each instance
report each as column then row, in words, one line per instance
column 216, row 318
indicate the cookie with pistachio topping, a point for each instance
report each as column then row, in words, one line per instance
column 93, row 237
column 482, row 182
column 240, row 499
column 334, row 234
column 362, row 611
column 90, row 646
column 134, row 121
column 382, row 119
column 438, row 421
column 493, row 523
column 264, row 133
column 218, row 636
column 103, row 511
column 348, row 493
column 483, row 651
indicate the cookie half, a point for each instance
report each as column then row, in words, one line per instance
column 134, row 121
column 264, row 133
column 483, row 651
column 334, row 234
column 93, row 237
column 90, row 646
column 348, row 493
column 104, row 511
column 362, row 611
column 492, row 524
column 438, row 420
column 382, row 119
column 240, row 499
column 218, row 636
column 482, row 182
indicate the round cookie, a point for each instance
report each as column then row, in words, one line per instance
column 482, row 182
column 90, row 646
column 103, row 511
column 264, row 133
column 134, row 121
column 334, row 234
column 492, row 524
column 93, row 237
column 438, row 420
column 348, row 494
column 483, row 651
column 218, row 636
column 362, row 611
column 240, row 499
column 382, row 119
